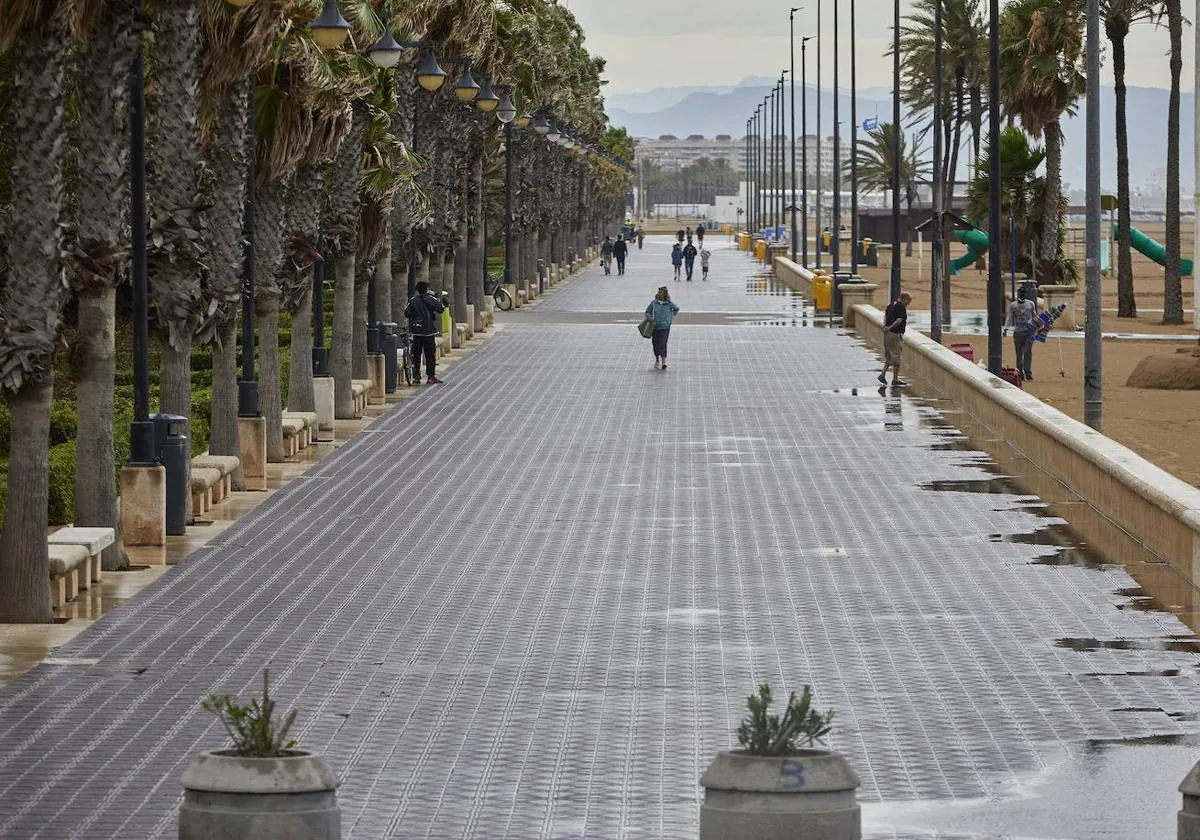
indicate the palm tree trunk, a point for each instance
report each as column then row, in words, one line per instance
column 362, row 285
column 1172, row 286
column 300, row 384
column 223, row 424
column 976, row 119
column 384, row 282
column 95, row 468
column 959, row 119
column 1126, row 303
column 175, row 375
column 1049, row 268
column 477, row 250
column 399, row 276
column 269, row 388
column 462, row 265
column 436, row 262
column 25, row 595
column 342, row 352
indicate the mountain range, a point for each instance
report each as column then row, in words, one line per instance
column 709, row 111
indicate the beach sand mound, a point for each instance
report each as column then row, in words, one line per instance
column 1180, row 372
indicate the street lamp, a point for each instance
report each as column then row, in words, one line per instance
column 894, row 289
column 467, row 89
column 330, row 29
column 995, row 288
column 792, row 51
column 835, row 244
column 524, row 120
column 506, row 112
column 553, row 134
column 820, row 142
column 487, row 101
column 430, row 76
column 854, row 139
column 385, row 52
column 804, row 148
column 541, row 125
column 141, row 430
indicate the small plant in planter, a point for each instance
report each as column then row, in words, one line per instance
column 801, row 726
column 253, row 728
column 263, row 787
column 781, row 784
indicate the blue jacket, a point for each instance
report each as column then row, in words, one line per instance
column 677, row 255
column 662, row 312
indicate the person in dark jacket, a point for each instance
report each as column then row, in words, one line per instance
column 620, row 251
column 700, row 234
column 677, row 259
column 689, row 258
column 422, row 313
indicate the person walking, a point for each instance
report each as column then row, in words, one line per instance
column 895, row 319
column 620, row 251
column 606, row 255
column 641, row 237
column 663, row 310
column 705, row 256
column 700, row 235
column 689, row 258
column 422, row 313
column 677, row 259
column 1022, row 314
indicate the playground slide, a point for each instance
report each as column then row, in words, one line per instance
column 1156, row 251
column 977, row 247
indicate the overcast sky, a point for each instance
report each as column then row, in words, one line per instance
column 665, row 43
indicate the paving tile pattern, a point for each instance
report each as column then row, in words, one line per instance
column 530, row 603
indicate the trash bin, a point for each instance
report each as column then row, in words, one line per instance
column 869, row 253
column 388, row 333
column 826, row 241
column 447, row 320
column 171, row 446
column 840, row 277
column 821, row 292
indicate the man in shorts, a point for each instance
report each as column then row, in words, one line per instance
column 894, row 321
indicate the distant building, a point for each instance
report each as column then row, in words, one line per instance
column 672, row 153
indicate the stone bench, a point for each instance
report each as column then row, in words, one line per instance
column 227, row 464
column 68, row 572
column 460, row 335
column 293, row 434
column 91, row 540
column 361, row 389
column 207, row 488
column 309, row 419
column 487, row 318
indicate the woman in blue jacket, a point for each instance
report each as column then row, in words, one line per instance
column 677, row 258
column 663, row 310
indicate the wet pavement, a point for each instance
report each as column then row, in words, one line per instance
column 531, row 603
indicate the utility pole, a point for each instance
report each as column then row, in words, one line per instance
column 853, row 140
column 820, row 140
column 1093, row 380
column 792, row 51
column 935, row 297
column 995, row 288
column 804, row 148
column 836, row 227
column 894, row 289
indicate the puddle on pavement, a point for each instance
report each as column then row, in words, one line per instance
column 1173, row 644
column 999, row 486
column 1067, row 550
column 1086, row 791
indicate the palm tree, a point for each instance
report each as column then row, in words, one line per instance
column 876, row 166
column 965, row 68
column 96, row 247
column 1022, row 194
column 1040, row 81
column 1172, row 287
column 1119, row 16
column 31, row 293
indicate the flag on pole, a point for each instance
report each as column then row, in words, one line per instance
column 870, row 124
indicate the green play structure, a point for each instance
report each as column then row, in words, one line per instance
column 1156, row 251
column 977, row 247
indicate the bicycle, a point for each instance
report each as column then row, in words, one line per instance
column 404, row 356
column 500, row 295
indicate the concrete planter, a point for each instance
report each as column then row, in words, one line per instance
column 810, row 795
column 289, row 798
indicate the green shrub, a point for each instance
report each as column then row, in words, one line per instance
column 5, row 429
column 800, row 726
column 61, row 504
column 64, row 422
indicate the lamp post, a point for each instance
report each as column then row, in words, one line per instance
column 854, row 139
column 248, row 403
column 1093, row 384
column 804, row 148
column 781, row 201
column 792, row 56
column 937, row 248
column 894, row 290
column 141, row 430
column 820, row 139
column 995, row 289
column 835, row 242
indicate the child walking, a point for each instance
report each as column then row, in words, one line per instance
column 705, row 256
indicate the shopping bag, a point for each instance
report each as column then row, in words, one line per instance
column 646, row 328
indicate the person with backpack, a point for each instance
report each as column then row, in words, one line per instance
column 677, row 259
column 663, row 311
column 422, row 313
column 620, row 251
column 1022, row 314
column 689, row 259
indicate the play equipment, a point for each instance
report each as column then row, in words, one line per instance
column 1148, row 247
column 977, row 247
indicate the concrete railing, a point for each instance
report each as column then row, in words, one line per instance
column 795, row 276
column 1130, row 506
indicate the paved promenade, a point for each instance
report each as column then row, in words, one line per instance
column 530, row 604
